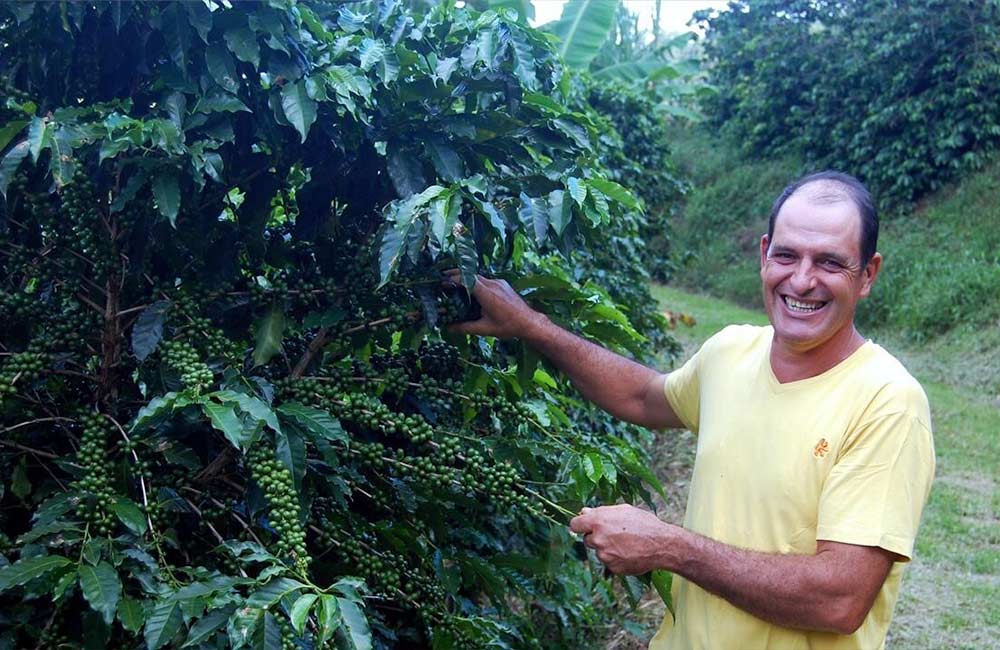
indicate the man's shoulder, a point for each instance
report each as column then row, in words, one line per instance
column 893, row 386
column 738, row 339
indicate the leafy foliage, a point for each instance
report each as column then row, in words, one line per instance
column 231, row 415
column 904, row 95
column 643, row 161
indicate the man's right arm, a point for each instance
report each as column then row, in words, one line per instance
column 627, row 390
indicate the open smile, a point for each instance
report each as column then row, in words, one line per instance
column 799, row 306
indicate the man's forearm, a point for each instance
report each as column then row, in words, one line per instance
column 810, row 592
column 616, row 384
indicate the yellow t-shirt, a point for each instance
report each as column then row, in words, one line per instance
column 846, row 456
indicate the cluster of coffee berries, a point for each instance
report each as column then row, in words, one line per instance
column 182, row 357
column 439, row 360
column 284, row 513
column 81, row 210
column 95, row 496
column 21, row 368
column 498, row 482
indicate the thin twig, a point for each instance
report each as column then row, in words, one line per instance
column 142, row 481
column 314, row 347
column 30, row 450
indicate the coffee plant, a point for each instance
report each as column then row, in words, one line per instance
column 232, row 413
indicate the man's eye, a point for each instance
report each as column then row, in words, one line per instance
column 832, row 264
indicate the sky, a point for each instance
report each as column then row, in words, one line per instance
column 674, row 14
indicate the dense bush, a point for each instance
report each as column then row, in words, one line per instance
column 901, row 94
column 942, row 264
column 231, row 416
column 641, row 161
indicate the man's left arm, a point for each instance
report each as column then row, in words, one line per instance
column 831, row 590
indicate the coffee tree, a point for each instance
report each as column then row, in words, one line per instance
column 232, row 413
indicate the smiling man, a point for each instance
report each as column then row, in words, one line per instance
column 814, row 456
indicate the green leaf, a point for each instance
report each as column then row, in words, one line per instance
column 177, row 35
column 208, row 625
column 300, row 611
column 649, row 68
column 662, row 581
column 406, row 173
column 390, row 249
column 129, row 514
column 10, row 163
column 22, row 571
column 102, row 588
column 221, row 67
column 272, row 592
column 65, row 583
column 270, row 328
column 582, row 29
column 443, row 212
column 267, row 636
column 243, row 43
column 356, row 624
column 545, row 102
column 163, row 623
column 577, row 189
column 560, row 212
column 468, row 261
column 10, row 131
column 327, row 619
column 257, row 408
column 444, row 69
column 533, row 216
column 148, row 329
column 39, row 136
column 220, row 102
column 242, row 626
column 524, row 59
column 315, row 420
column 132, row 614
column 224, row 418
column 447, row 163
column 167, row 192
column 615, row 192
column 157, row 408
column 370, row 52
column 299, row 108
column 592, row 466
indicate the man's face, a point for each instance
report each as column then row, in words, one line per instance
column 812, row 273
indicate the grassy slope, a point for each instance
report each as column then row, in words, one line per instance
column 949, row 591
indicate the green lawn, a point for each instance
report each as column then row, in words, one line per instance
column 950, row 591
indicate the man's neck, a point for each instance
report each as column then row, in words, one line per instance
column 791, row 364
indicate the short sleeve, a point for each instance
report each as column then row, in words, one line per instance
column 682, row 388
column 876, row 492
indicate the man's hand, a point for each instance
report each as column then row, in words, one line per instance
column 504, row 313
column 628, row 540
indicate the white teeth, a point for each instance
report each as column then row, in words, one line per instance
column 800, row 306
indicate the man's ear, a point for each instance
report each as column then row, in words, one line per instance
column 869, row 273
column 764, row 243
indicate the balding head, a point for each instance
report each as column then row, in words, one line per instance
column 826, row 187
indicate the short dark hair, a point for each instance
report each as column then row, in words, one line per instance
column 841, row 186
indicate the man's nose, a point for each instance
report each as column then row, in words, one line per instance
column 804, row 279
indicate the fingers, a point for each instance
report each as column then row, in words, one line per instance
column 580, row 524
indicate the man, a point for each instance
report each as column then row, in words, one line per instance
column 814, row 456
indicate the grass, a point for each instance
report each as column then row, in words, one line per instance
column 949, row 593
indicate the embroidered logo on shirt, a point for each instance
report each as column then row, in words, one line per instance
column 821, row 448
